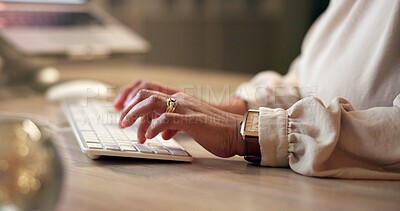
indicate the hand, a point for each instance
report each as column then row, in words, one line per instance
column 232, row 105
column 217, row 131
column 128, row 92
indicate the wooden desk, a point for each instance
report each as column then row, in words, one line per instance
column 208, row 183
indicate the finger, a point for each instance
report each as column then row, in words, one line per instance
column 150, row 86
column 130, row 96
column 145, row 122
column 143, row 85
column 121, row 98
column 167, row 121
column 168, row 134
column 135, row 90
column 141, row 95
column 154, row 103
column 123, row 94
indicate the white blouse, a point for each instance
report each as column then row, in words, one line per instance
column 337, row 112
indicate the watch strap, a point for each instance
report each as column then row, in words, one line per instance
column 253, row 151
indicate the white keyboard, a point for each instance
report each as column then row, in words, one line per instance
column 95, row 127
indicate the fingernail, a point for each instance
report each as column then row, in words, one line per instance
column 124, row 122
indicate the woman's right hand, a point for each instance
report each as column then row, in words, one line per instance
column 217, row 131
column 130, row 91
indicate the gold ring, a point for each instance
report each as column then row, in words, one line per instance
column 171, row 105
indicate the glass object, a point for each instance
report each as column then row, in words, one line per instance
column 30, row 170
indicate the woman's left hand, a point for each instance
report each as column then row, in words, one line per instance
column 216, row 130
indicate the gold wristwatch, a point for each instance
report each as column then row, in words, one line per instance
column 249, row 132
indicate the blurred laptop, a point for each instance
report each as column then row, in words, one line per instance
column 65, row 27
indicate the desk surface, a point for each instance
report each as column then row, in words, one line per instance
column 208, row 183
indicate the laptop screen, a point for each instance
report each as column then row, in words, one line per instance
column 48, row 1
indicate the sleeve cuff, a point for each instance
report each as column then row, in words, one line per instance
column 273, row 132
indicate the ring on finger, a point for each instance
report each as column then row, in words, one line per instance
column 171, row 105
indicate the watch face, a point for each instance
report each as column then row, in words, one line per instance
column 251, row 124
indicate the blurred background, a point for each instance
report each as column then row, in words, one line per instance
column 233, row 35
column 242, row 36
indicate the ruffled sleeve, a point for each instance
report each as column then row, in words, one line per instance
column 333, row 141
column 270, row 89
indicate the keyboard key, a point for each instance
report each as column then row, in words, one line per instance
column 94, row 146
column 105, row 138
column 174, row 148
column 89, row 136
column 128, row 148
column 113, row 127
column 113, row 147
column 88, row 133
column 92, row 140
column 130, row 133
column 119, row 136
column 123, row 142
column 178, row 152
column 84, row 127
column 143, row 148
column 153, row 142
column 159, row 149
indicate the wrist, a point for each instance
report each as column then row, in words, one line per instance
column 249, row 132
column 240, row 143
